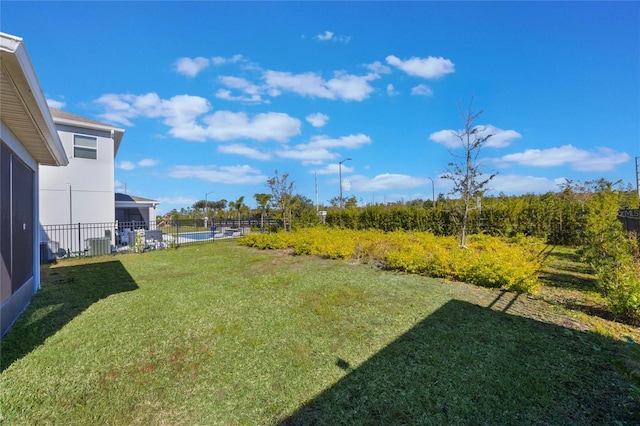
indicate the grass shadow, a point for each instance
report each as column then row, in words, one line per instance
column 467, row 364
column 66, row 291
column 565, row 270
column 553, row 277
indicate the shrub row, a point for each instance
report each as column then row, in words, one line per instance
column 511, row 264
column 614, row 255
column 557, row 217
column 557, row 220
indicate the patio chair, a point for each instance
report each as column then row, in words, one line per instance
column 124, row 236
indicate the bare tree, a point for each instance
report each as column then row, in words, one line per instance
column 469, row 181
column 282, row 191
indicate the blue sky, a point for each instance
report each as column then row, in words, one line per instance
column 215, row 96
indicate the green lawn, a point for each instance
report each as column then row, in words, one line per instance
column 225, row 334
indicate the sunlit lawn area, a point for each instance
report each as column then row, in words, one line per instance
column 225, row 334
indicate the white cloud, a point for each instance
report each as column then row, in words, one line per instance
column 349, row 142
column 519, row 184
column 601, row 159
column 499, row 139
column 55, row 104
column 333, row 169
column 422, row 90
column 191, row 66
column 240, row 149
column 118, row 186
column 178, row 111
column 130, row 165
column 317, row 119
column 219, row 60
column 177, row 200
column 252, row 91
column 446, row 138
column 148, row 162
column 330, row 36
column 227, row 96
column 429, row 67
column 126, row 165
column 327, row 35
column 227, row 125
column 118, row 109
column 307, row 155
column 343, row 86
column 351, row 87
column 391, row 91
column 378, row 68
column 308, row 84
column 317, row 150
column 235, row 175
column 385, row 182
column 181, row 114
column 239, row 83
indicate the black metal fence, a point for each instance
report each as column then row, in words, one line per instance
column 630, row 219
column 98, row 239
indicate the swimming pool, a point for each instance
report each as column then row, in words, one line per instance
column 195, row 236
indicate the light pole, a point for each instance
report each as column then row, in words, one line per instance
column 433, row 192
column 206, row 205
column 340, row 171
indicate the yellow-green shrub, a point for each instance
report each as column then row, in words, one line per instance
column 276, row 240
column 499, row 262
column 486, row 261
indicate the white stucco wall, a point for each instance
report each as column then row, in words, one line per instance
column 82, row 192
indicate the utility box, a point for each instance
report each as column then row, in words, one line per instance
column 49, row 251
column 98, row 246
column 155, row 234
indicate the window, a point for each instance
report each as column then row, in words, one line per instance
column 85, row 147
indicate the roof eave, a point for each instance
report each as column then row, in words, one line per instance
column 116, row 133
column 19, row 70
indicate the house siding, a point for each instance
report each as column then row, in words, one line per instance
column 83, row 191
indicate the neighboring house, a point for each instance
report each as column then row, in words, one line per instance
column 82, row 192
column 28, row 139
column 130, row 208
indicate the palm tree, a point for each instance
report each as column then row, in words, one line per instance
column 263, row 202
column 237, row 206
column 219, row 207
column 199, row 205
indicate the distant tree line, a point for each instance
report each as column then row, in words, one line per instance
column 559, row 217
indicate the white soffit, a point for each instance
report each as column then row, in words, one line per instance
column 24, row 108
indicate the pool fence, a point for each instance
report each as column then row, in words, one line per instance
column 99, row 239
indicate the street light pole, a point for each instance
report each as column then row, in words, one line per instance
column 340, row 171
column 433, row 192
column 206, row 204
